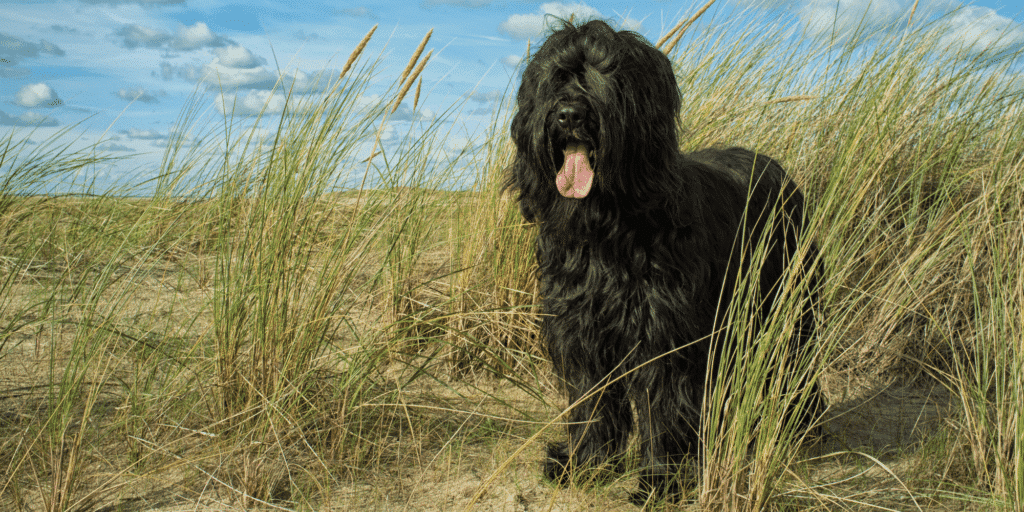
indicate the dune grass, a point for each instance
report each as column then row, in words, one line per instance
column 255, row 336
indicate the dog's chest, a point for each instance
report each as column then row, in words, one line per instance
column 611, row 280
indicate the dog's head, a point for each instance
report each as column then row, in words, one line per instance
column 596, row 107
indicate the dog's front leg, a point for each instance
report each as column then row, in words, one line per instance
column 598, row 424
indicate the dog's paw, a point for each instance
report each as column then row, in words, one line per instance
column 556, row 465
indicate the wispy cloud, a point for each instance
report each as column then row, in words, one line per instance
column 238, row 57
column 37, row 95
column 511, row 60
column 251, row 103
column 534, row 25
column 235, row 67
column 113, row 146
column 966, row 29
column 27, row 119
column 136, row 95
column 135, row 36
column 13, row 49
column 194, row 37
column 190, row 37
column 974, row 30
column 359, row 12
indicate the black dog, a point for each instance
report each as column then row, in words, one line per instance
column 639, row 245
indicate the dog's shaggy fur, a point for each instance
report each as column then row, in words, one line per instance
column 639, row 245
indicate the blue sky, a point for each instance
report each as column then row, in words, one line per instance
column 129, row 66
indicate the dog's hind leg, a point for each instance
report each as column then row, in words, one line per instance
column 669, row 444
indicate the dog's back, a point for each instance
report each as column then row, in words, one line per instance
column 742, row 166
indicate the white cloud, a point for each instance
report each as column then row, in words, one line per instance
column 196, row 36
column 27, row 119
column 367, row 100
column 187, row 72
column 218, row 76
column 968, row 29
column 113, row 146
column 528, row 26
column 235, row 56
column 31, row 118
column 299, row 81
column 135, row 133
column 237, row 68
column 136, row 95
column 387, row 134
column 458, row 145
column 251, row 103
column 523, row 26
column 979, row 29
column 511, row 60
column 37, row 95
column 191, row 37
column 846, row 17
column 156, row 139
column 406, row 113
column 359, row 12
column 134, row 36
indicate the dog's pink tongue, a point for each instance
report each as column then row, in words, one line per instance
column 575, row 177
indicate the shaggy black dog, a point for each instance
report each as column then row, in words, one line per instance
column 639, row 245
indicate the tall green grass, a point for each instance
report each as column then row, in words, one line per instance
column 260, row 390
column 259, row 333
column 908, row 153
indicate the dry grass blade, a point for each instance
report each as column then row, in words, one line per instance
column 913, row 10
column 408, row 83
column 355, row 53
column 789, row 99
column 680, row 29
column 415, row 57
column 416, row 97
column 373, row 154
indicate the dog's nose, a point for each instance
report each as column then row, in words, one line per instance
column 569, row 117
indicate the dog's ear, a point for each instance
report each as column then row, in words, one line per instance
column 514, row 187
column 526, row 208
